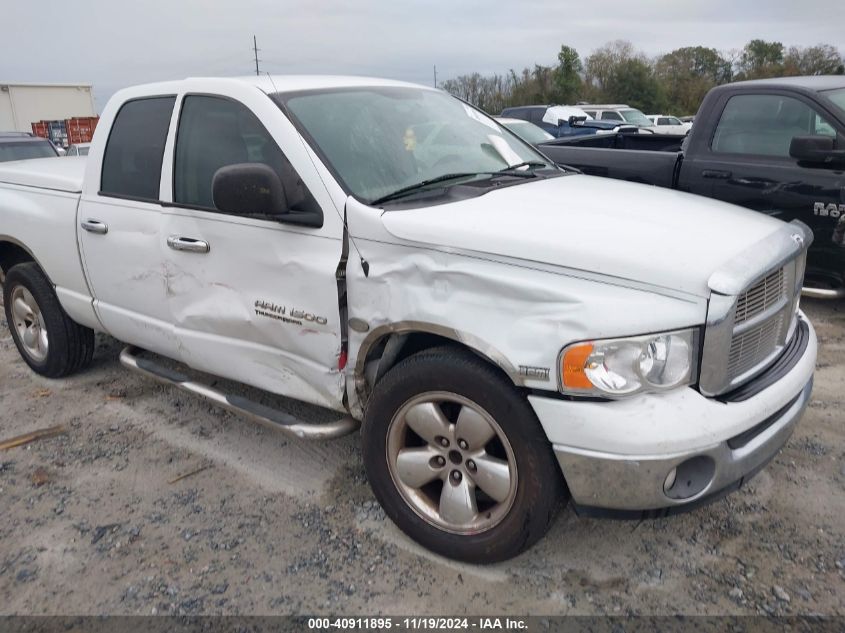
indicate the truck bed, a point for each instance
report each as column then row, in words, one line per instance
column 58, row 174
column 610, row 156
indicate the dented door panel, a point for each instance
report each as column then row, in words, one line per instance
column 260, row 306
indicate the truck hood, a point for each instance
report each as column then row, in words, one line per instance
column 596, row 225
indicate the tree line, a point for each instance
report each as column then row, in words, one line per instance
column 674, row 82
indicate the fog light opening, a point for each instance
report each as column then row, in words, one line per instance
column 689, row 478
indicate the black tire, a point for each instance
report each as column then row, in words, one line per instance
column 71, row 346
column 539, row 487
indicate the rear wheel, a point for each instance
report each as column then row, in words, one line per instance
column 458, row 459
column 48, row 340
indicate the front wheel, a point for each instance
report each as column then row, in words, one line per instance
column 457, row 457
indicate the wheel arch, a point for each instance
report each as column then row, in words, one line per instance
column 13, row 252
column 388, row 344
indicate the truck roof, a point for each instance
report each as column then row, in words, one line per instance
column 280, row 83
column 814, row 83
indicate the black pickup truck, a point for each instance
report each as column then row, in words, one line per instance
column 773, row 145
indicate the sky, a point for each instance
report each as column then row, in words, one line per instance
column 114, row 43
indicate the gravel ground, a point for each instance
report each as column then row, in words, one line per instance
column 94, row 523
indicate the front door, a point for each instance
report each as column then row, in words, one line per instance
column 252, row 298
column 748, row 164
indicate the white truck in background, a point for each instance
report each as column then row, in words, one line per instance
column 511, row 334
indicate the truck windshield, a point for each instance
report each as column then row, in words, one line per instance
column 838, row 98
column 635, row 117
column 379, row 140
column 24, row 150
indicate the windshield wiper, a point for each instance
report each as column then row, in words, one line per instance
column 404, row 191
column 529, row 163
column 507, row 171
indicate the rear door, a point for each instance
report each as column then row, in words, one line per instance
column 747, row 162
column 253, row 298
column 119, row 227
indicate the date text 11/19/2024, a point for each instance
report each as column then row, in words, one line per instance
column 418, row 623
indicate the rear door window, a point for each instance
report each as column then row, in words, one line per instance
column 135, row 149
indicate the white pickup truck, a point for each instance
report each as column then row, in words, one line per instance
column 511, row 334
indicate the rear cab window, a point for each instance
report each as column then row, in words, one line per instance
column 135, row 149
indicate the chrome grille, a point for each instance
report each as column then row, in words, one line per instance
column 752, row 311
column 759, row 297
column 754, row 345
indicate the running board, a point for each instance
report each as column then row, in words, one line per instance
column 823, row 293
column 260, row 413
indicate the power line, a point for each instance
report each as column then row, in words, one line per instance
column 255, row 50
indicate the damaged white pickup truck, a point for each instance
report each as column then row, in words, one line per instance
column 511, row 334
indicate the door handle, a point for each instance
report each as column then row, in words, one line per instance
column 187, row 244
column 95, row 226
column 717, row 174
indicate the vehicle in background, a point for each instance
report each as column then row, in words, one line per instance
column 560, row 121
column 78, row 149
column 619, row 113
column 667, row 124
column 24, row 146
column 772, row 145
column 511, row 334
column 526, row 130
column 61, row 151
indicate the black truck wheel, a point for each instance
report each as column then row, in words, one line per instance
column 457, row 457
column 50, row 342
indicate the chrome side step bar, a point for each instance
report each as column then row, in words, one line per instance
column 823, row 293
column 268, row 416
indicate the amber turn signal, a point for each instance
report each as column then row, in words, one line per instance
column 572, row 366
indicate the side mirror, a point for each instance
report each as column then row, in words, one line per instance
column 815, row 149
column 576, row 119
column 249, row 189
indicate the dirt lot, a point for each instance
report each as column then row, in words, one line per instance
column 92, row 522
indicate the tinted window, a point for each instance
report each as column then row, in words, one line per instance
column 537, row 115
column 132, row 161
column 215, row 132
column 765, row 125
column 611, row 116
column 591, row 113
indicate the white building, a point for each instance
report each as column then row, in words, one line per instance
column 21, row 104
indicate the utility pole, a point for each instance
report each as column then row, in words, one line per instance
column 435, row 75
column 255, row 50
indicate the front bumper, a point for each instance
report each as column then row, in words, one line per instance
column 663, row 453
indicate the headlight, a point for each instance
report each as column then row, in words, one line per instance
column 619, row 367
